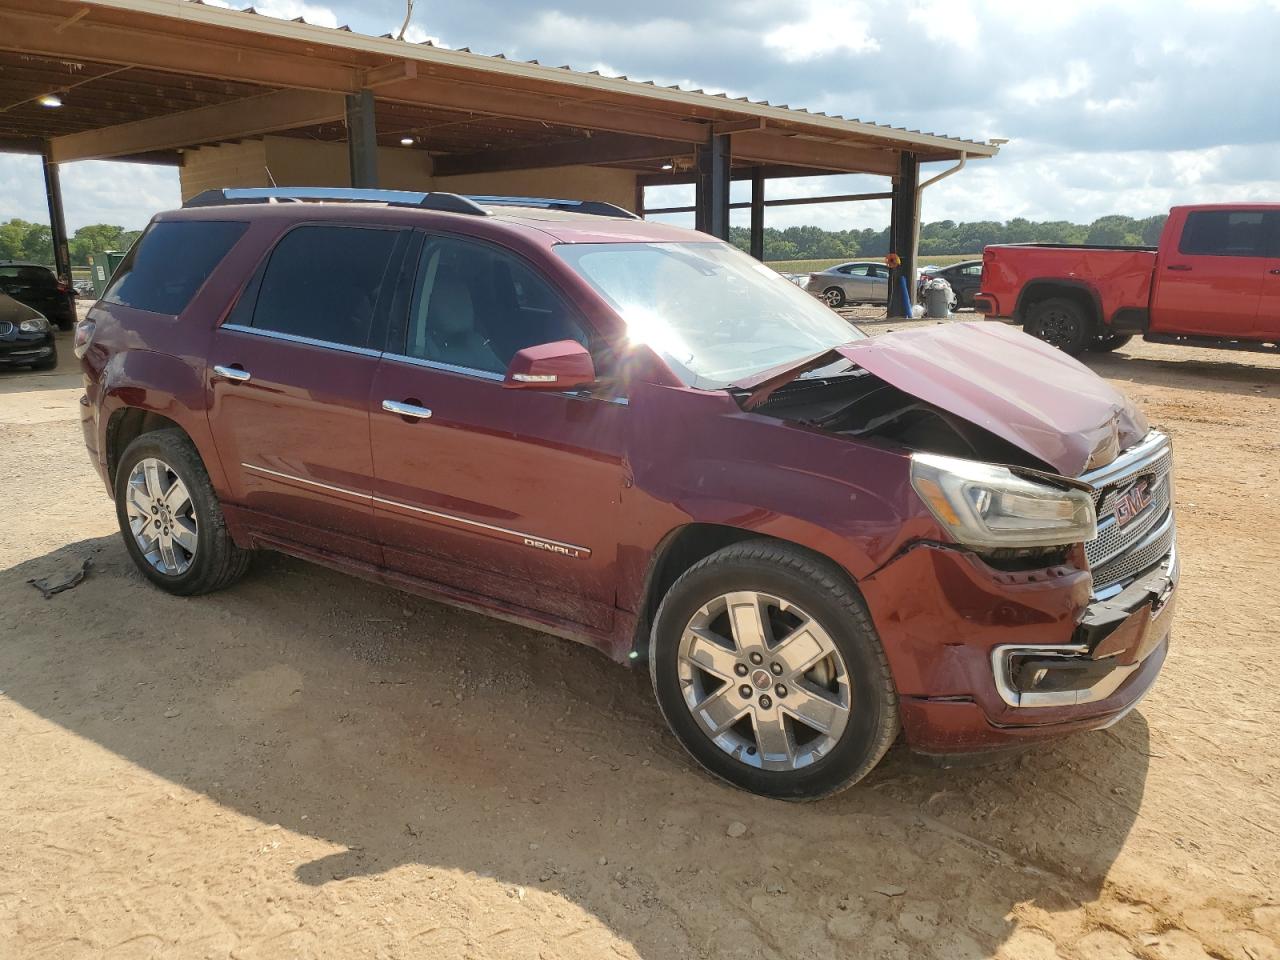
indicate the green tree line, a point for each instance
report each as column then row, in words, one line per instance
column 23, row 240
column 949, row 237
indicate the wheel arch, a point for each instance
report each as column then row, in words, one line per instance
column 125, row 425
column 1048, row 288
column 687, row 545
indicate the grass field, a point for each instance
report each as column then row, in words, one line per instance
column 810, row 266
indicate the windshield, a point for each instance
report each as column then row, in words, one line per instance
column 713, row 313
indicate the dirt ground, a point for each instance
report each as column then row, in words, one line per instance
column 308, row 766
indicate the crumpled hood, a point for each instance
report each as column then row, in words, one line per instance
column 1017, row 387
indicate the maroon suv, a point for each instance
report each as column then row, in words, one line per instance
column 637, row 437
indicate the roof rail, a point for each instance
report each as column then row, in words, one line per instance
column 449, row 202
column 598, row 208
column 446, row 202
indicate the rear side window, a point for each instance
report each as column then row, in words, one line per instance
column 171, row 262
column 1225, row 233
column 322, row 282
column 23, row 275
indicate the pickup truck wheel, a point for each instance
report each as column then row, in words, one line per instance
column 170, row 517
column 769, row 671
column 1112, row 341
column 833, row 297
column 1060, row 323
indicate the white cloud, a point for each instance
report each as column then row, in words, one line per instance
column 825, row 27
column 415, row 34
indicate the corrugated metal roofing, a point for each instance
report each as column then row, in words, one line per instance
column 719, row 100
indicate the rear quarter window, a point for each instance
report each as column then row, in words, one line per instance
column 170, row 262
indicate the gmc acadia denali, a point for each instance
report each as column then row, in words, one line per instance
column 637, row 437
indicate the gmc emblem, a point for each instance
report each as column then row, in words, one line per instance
column 1133, row 501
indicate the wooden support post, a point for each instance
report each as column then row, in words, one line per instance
column 362, row 139
column 757, row 213
column 904, row 213
column 57, row 219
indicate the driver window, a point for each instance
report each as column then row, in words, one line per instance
column 477, row 305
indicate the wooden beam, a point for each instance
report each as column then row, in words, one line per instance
column 768, row 147
column 390, row 73
column 36, row 34
column 234, row 119
column 522, row 105
column 601, row 148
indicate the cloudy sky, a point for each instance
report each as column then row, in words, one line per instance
column 1109, row 107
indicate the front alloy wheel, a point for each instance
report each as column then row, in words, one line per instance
column 767, row 668
column 764, row 681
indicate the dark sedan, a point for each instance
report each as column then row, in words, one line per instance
column 964, row 277
column 26, row 337
column 39, row 288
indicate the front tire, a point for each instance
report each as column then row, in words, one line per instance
column 768, row 670
column 833, row 297
column 1060, row 323
column 170, row 517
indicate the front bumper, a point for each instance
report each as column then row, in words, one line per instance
column 27, row 349
column 985, row 659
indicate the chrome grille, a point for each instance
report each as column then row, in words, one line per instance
column 1119, row 552
column 6, row 328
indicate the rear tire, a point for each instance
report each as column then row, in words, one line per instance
column 204, row 558
column 1060, row 323
column 817, row 656
column 833, row 297
column 1112, row 341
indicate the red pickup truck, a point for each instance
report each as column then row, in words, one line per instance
column 1213, row 281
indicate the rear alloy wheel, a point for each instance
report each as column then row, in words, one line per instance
column 1060, row 323
column 768, row 670
column 170, row 517
column 833, row 297
column 1112, row 341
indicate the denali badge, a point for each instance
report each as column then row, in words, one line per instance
column 1133, row 501
column 559, row 548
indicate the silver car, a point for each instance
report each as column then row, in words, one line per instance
column 861, row 281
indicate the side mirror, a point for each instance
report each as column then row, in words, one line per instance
column 563, row 365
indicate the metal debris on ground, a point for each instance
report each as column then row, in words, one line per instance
column 48, row 586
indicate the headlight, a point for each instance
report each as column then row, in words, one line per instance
column 34, row 325
column 983, row 505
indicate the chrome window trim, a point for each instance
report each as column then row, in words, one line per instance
column 305, row 341
column 575, row 394
column 537, row 541
column 446, row 367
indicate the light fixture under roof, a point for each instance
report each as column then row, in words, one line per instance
column 406, row 141
column 668, row 166
column 50, row 100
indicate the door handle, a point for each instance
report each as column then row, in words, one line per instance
column 237, row 374
column 1177, row 266
column 1276, row 271
column 406, row 409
